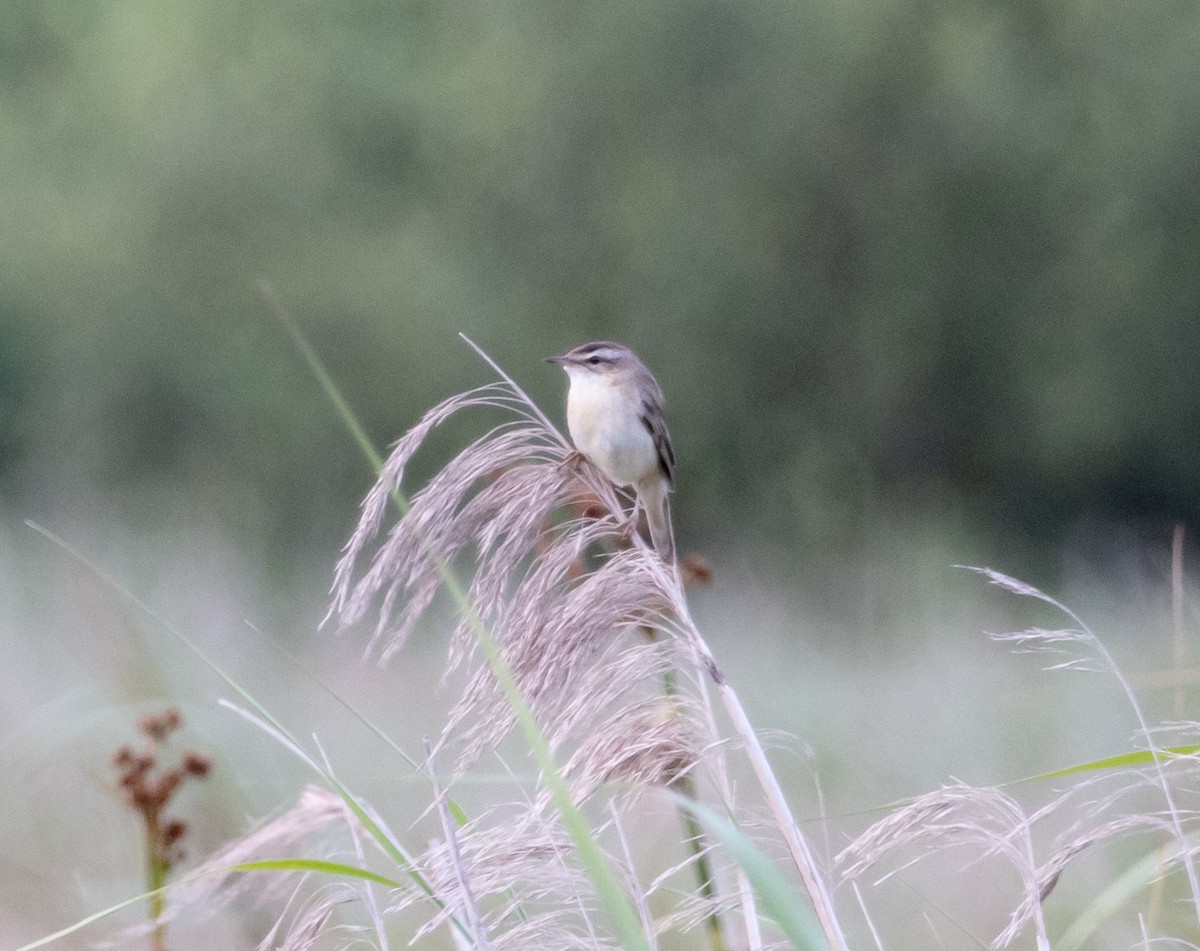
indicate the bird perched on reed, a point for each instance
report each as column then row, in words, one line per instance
column 615, row 417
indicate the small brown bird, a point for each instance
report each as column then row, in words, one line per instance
column 615, row 416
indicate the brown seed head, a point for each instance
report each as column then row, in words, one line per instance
column 174, row 830
column 696, row 570
column 196, row 764
column 158, row 728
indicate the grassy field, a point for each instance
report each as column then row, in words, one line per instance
column 874, row 687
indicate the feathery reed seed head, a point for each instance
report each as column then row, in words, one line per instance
column 528, row 513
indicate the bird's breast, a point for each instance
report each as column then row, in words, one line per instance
column 606, row 426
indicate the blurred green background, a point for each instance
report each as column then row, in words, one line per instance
column 919, row 279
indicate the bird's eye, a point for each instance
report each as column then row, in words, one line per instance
column 594, row 360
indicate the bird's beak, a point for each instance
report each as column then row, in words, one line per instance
column 560, row 361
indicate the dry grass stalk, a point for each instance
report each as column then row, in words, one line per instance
column 1101, row 806
column 1092, row 651
column 521, row 877
column 955, row 815
column 462, row 879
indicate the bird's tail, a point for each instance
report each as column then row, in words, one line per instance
column 656, row 499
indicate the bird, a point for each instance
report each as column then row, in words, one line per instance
column 615, row 417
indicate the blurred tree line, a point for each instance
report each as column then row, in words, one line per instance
column 923, row 255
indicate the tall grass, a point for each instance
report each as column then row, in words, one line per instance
column 571, row 636
column 574, row 633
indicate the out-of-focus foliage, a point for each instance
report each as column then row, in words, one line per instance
column 908, row 252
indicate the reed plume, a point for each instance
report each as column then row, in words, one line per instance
column 568, row 589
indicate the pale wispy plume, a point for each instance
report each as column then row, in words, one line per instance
column 508, row 511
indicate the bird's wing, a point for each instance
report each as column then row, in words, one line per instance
column 652, row 419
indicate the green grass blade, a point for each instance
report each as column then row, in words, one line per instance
column 92, row 919
column 1121, row 760
column 786, row 905
column 315, row 865
column 346, row 704
column 1136, row 758
column 1111, row 899
column 275, row 302
column 145, row 609
column 275, row 865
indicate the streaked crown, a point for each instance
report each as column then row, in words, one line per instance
column 600, row 356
